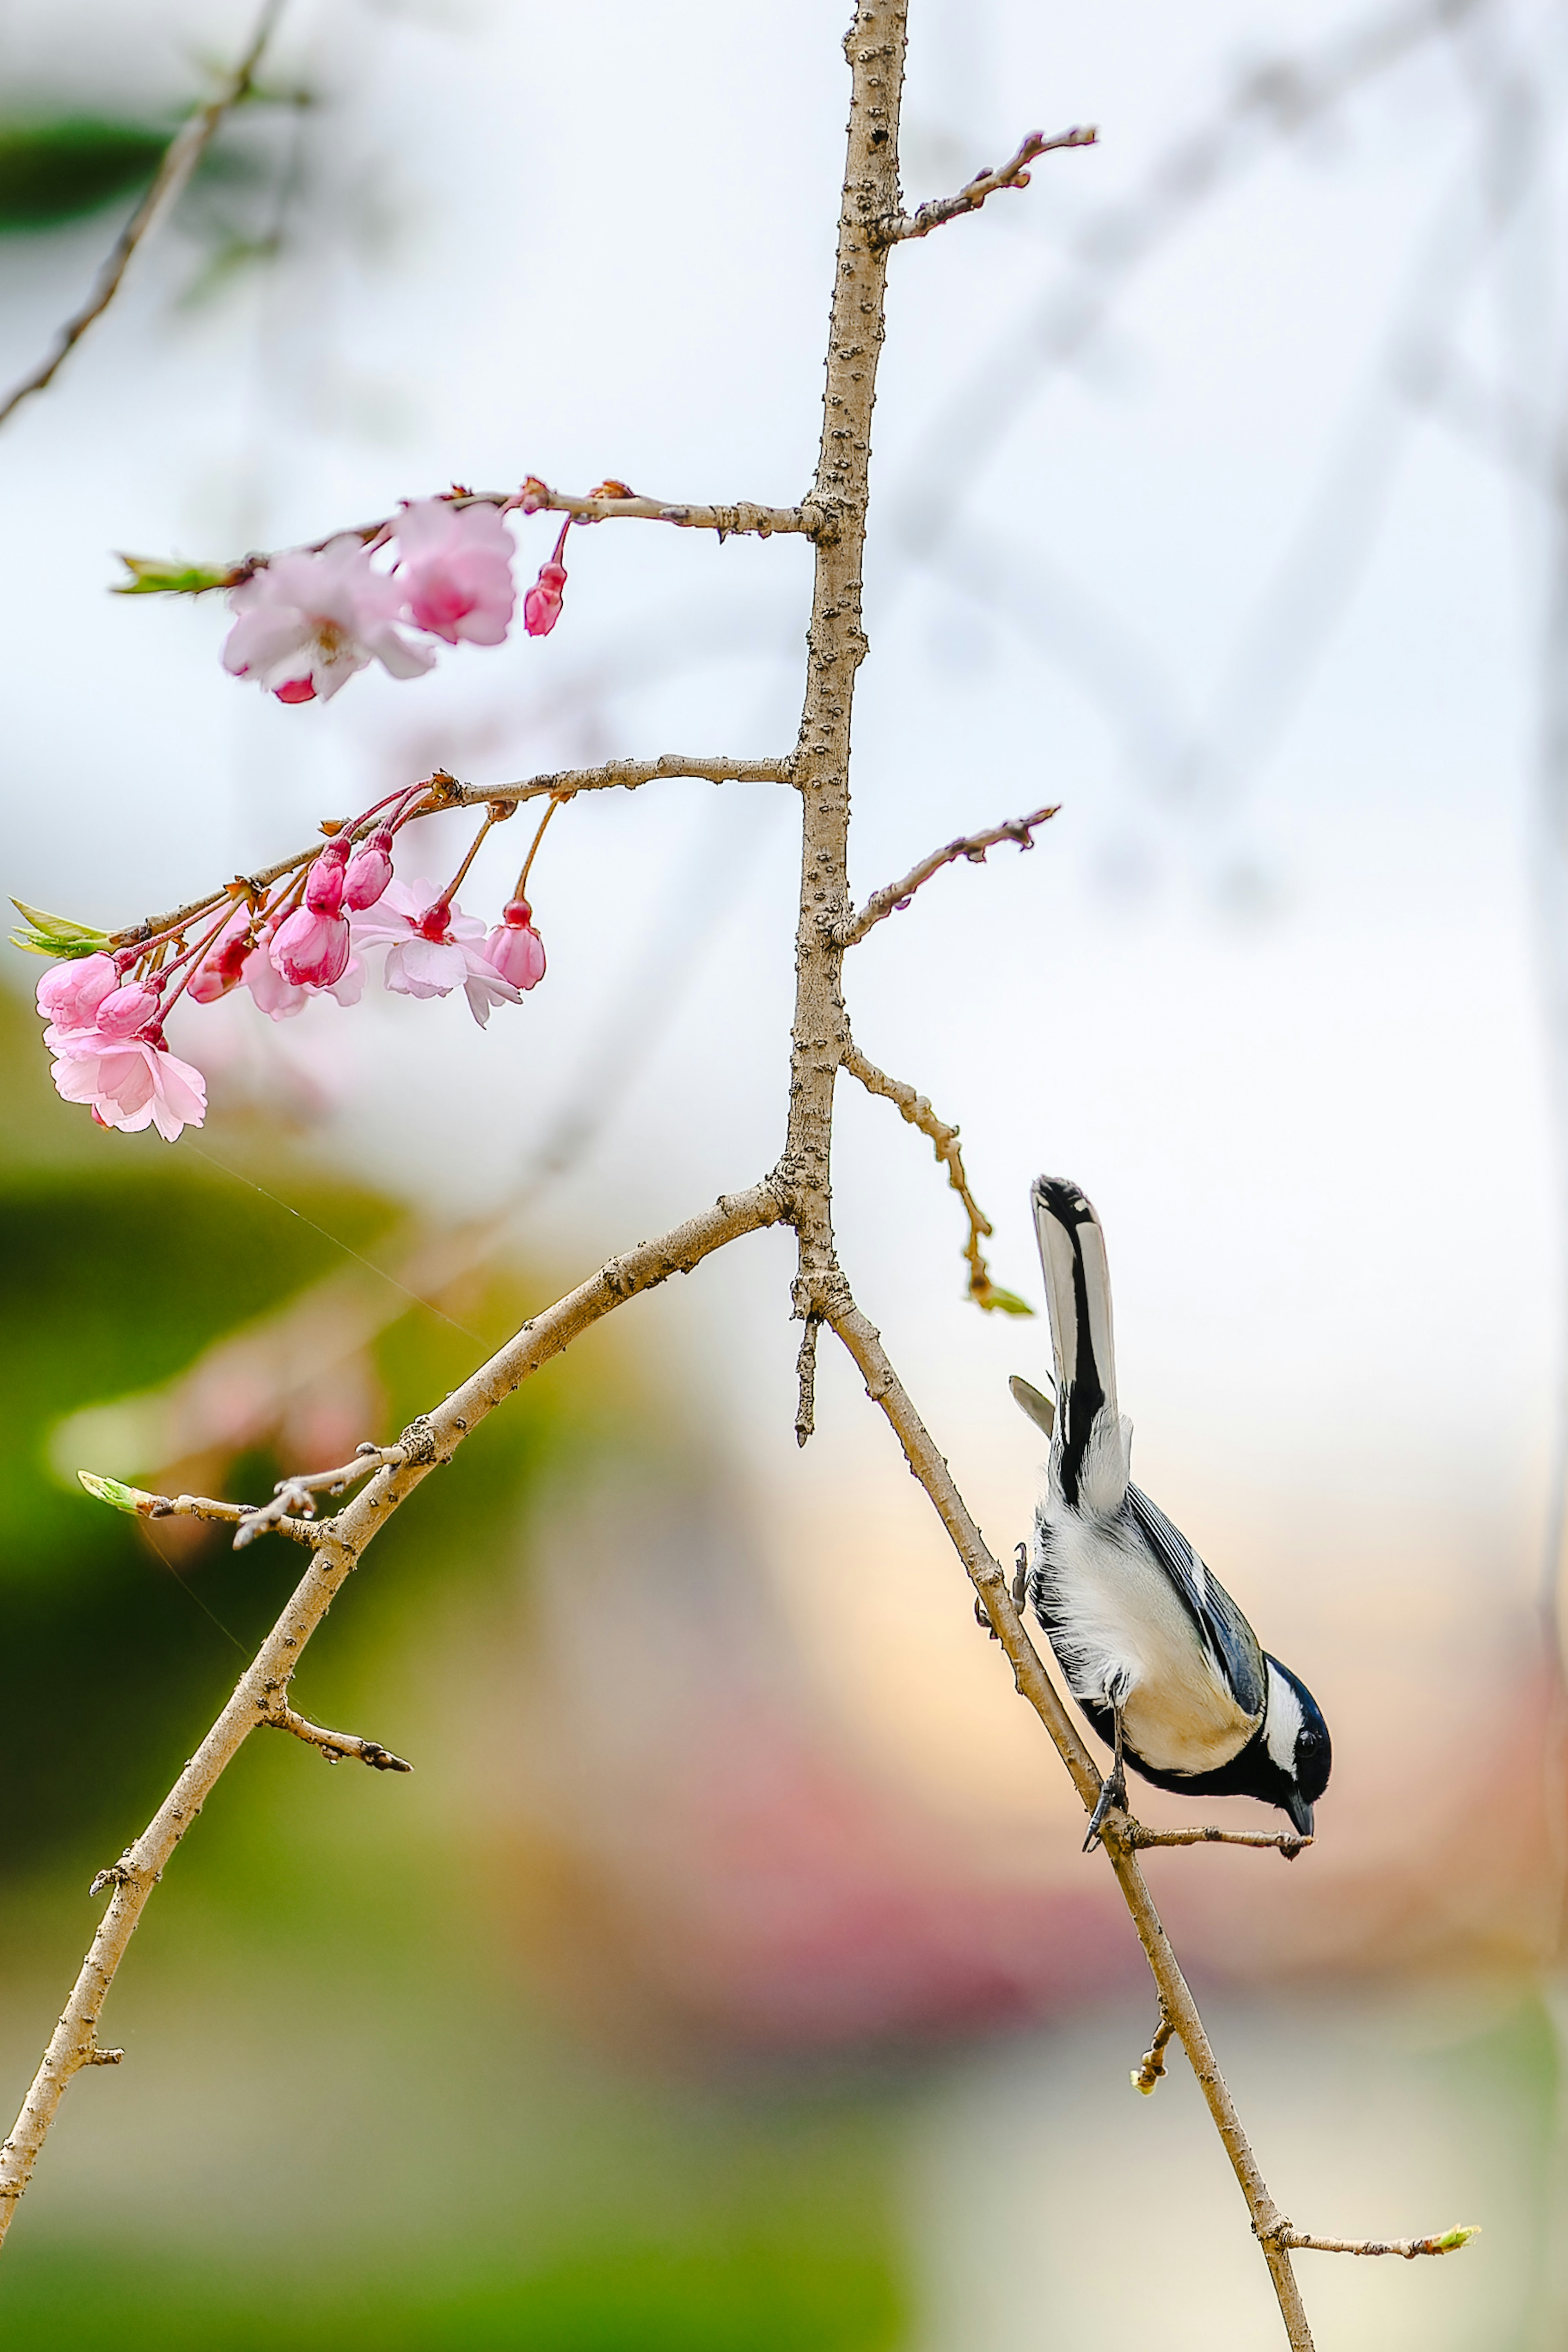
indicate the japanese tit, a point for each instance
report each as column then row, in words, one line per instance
column 1155, row 1650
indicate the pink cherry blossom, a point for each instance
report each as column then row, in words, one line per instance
column 434, row 948
column 369, row 871
column 541, row 605
column 311, row 949
column 515, row 947
column 70, row 993
column 132, row 1083
column 281, row 1000
column 306, row 623
column 455, row 568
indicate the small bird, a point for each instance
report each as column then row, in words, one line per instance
column 1155, row 1650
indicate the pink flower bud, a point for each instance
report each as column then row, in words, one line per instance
column 296, row 689
column 219, row 971
column 541, row 605
column 369, row 871
column 324, row 882
column 125, row 1011
column 311, row 949
column 70, row 993
column 515, row 948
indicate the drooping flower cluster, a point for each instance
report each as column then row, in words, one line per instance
column 305, row 936
column 307, row 621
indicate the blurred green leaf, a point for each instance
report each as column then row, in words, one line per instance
column 997, row 1301
column 60, row 169
column 151, row 576
column 55, row 935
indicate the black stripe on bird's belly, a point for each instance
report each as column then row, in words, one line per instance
column 1251, row 1773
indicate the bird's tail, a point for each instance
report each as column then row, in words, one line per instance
column 1090, row 1450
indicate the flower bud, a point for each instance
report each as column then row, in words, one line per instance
column 296, row 689
column 369, row 871
column 324, row 882
column 312, row 948
column 541, row 605
column 515, row 948
column 70, row 993
column 219, row 971
column 126, row 1010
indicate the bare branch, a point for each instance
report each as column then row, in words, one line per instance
column 973, row 194
column 885, row 1389
column 1284, row 1842
column 944, row 1143
column 611, row 502
column 896, row 896
column 334, row 1744
column 611, row 776
column 260, row 1696
column 298, row 1494
column 627, row 775
column 138, row 1503
column 182, row 155
column 1448, row 2242
column 805, row 1380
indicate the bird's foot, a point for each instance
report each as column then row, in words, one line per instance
column 1112, row 1793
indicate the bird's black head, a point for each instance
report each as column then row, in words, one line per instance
column 1293, row 1755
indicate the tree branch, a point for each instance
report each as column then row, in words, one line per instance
column 1283, row 1842
column 1448, row 2243
column 182, row 155
column 944, row 1143
column 260, row 1696
column 334, row 1744
column 138, row 1503
column 564, row 784
column 896, row 896
column 886, row 1390
column 900, row 227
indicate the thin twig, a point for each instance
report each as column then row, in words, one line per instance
column 1286, row 1842
column 896, row 896
column 743, row 519
column 182, row 155
column 611, row 776
column 1448, row 2242
column 973, row 194
column 297, row 1494
column 805, row 1381
column 944, row 1143
column 334, row 1745
column 138, row 1503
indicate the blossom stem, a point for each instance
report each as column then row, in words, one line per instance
column 455, row 884
column 555, row 803
column 191, row 960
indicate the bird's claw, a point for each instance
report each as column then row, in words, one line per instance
column 1112, row 1797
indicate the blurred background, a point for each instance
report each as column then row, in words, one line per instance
column 727, row 1975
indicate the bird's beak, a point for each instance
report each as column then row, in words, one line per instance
column 1300, row 1812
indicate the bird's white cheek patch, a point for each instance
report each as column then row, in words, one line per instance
column 1284, row 1721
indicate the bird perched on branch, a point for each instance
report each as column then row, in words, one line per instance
column 1155, row 1652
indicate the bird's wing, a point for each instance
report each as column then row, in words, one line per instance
column 1091, row 1450
column 1224, row 1629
